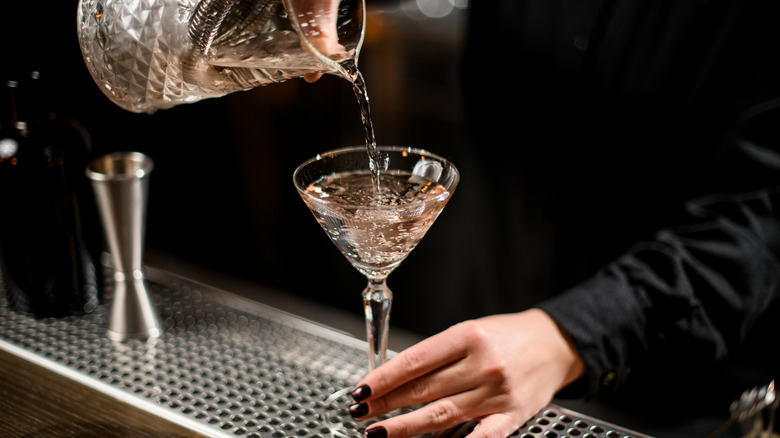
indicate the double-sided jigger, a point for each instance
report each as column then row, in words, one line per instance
column 121, row 184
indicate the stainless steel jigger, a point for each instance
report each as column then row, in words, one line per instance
column 121, row 184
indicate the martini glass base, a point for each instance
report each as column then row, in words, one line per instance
column 377, row 301
column 336, row 419
column 335, row 412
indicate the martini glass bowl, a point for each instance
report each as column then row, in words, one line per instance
column 376, row 226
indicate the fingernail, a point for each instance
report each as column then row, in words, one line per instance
column 358, row 410
column 361, row 393
column 376, row 432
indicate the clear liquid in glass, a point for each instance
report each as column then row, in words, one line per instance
column 375, row 230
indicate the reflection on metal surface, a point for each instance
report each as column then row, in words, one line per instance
column 228, row 367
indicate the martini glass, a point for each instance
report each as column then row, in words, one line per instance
column 376, row 227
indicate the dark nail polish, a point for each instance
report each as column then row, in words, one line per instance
column 376, row 432
column 358, row 410
column 361, row 393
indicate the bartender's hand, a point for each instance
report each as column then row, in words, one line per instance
column 319, row 22
column 500, row 370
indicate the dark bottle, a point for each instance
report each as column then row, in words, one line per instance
column 49, row 237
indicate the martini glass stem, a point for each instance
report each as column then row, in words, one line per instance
column 377, row 300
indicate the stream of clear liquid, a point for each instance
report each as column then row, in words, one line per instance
column 375, row 162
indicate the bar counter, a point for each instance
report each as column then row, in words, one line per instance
column 36, row 402
column 225, row 366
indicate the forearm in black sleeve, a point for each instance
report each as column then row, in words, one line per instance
column 697, row 288
column 694, row 291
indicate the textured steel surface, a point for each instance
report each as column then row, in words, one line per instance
column 228, row 367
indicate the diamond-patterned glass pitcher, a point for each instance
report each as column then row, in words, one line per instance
column 147, row 55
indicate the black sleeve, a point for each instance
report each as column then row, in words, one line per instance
column 694, row 292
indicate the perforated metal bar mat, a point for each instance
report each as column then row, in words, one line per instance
column 229, row 367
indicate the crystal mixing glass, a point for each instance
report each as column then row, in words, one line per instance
column 147, row 55
column 376, row 230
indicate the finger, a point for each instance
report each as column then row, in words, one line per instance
column 329, row 46
column 313, row 77
column 445, row 381
column 436, row 416
column 420, row 359
column 319, row 24
column 495, row 426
